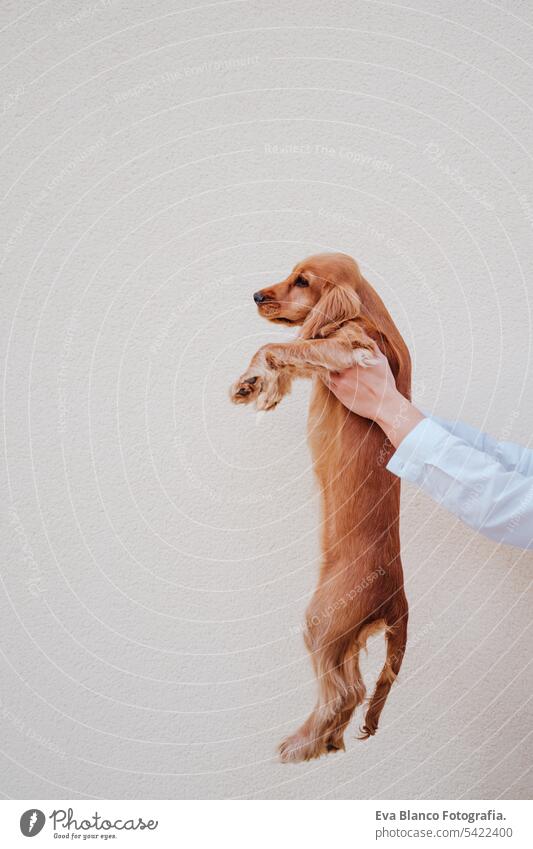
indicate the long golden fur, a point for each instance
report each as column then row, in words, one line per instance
column 360, row 587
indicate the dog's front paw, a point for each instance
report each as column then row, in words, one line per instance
column 270, row 394
column 264, row 389
column 246, row 389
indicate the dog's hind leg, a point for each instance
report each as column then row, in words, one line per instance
column 357, row 692
column 396, row 641
column 336, row 662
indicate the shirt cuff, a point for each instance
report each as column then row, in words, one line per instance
column 422, row 443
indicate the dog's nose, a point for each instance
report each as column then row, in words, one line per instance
column 259, row 297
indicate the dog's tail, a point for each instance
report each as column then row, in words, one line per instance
column 396, row 636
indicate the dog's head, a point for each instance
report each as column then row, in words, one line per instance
column 320, row 293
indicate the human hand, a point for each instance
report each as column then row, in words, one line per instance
column 365, row 389
column 370, row 391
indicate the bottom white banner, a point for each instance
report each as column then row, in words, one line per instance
column 150, row 822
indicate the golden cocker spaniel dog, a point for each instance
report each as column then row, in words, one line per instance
column 360, row 588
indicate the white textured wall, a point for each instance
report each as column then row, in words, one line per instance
column 160, row 544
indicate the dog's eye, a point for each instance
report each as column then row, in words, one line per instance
column 301, row 281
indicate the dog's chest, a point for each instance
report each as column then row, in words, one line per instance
column 337, row 438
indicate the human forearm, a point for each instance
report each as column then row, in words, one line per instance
column 397, row 417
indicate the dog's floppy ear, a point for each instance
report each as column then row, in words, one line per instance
column 337, row 305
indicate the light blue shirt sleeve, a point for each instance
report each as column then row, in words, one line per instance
column 513, row 457
column 486, row 484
